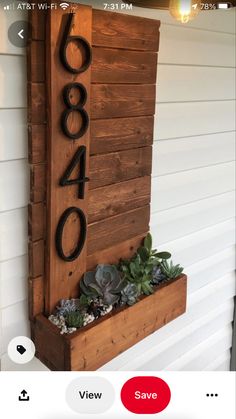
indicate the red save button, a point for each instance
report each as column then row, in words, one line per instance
column 145, row 395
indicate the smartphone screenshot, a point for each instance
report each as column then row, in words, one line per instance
column 117, row 209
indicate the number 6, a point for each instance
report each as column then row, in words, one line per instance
column 66, row 39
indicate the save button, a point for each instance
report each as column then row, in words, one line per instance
column 145, row 395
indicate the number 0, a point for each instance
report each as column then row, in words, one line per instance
column 81, row 239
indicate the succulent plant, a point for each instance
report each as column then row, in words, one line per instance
column 157, row 275
column 129, row 295
column 74, row 319
column 148, row 254
column 105, row 282
column 138, row 272
column 67, row 306
column 170, row 270
column 73, row 304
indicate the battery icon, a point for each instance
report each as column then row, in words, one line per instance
column 224, row 6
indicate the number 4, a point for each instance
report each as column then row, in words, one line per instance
column 79, row 158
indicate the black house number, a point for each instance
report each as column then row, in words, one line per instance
column 79, row 157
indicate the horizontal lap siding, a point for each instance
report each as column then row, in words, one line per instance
column 192, row 190
column 14, row 189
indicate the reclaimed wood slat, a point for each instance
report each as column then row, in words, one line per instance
column 36, row 103
column 37, row 183
column 106, row 169
column 117, row 101
column 123, row 66
column 36, row 259
column 36, row 154
column 36, row 297
column 109, row 135
column 62, row 277
column 36, row 143
column 114, row 230
column 37, row 23
column 118, row 198
column 113, row 254
column 36, row 61
column 124, row 31
column 50, row 346
column 36, row 221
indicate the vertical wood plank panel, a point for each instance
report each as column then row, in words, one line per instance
column 63, row 277
column 36, row 74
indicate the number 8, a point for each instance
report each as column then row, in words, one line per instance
column 71, row 108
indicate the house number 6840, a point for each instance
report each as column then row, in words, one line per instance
column 80, row 155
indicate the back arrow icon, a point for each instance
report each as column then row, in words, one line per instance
column 20, row 34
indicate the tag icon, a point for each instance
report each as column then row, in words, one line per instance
column 21, row 349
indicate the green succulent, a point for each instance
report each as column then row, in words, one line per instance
column 106, row 283
column 148, row 254
column 74, row 319
column 84, row 302
column 67, row 306
column 139, row 269
column 129, row 295
column 139, row 273
column 74, row 304
column 170, row 270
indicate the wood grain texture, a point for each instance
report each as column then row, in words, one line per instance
column 36, row 61
column 106, row 169
column 36, row 103
column 36, row 297
column 112, row 255
column 114, row 230
column 36, row 70
column 117, row 101
column 36, row 144
column 37, row 21
column 109, row 135
column 119, row 198
column 127, row 327
column 37, row 221
column 125, row 32
column 96, row 344
column 37, row 183
column 123, row 66
column 50, row 345
column 36, row 259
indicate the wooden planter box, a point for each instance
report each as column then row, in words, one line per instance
column 99, row 342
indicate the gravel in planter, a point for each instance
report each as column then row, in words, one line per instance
column 60, row 320
column 111, row 286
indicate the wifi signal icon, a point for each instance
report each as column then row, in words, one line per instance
column 64, row 5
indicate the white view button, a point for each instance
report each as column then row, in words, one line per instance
column 90, row 395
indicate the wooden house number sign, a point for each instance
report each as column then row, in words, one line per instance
column 91, row 106
column 91, row 97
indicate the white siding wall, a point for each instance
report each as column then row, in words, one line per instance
column 192, row 191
